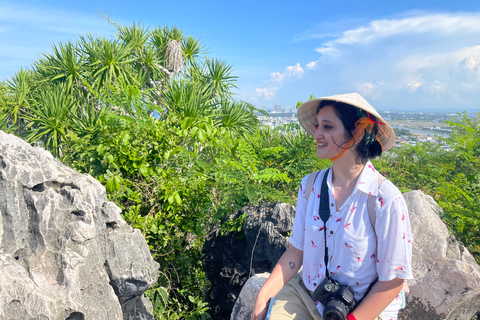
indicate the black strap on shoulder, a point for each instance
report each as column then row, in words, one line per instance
column 324, row 213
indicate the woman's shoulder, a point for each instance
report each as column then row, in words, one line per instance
column 313, row 176
column 388, row 191
column 309, row 180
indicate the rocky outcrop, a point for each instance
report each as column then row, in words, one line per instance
column 231, row 259
column 447, row 278
column 65, row 251
column 246, row 300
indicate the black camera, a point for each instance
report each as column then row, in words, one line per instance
column 338, row 300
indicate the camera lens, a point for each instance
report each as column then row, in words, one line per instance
column 335, row 310
column 332, row 316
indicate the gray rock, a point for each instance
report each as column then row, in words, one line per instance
column 65, row 251
column 230, row 260
column 447, row 277
column 246, row 300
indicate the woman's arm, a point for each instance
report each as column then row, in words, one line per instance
column 285, row 269
column 381, row 295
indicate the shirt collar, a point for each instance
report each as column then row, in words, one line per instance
column 368, row 180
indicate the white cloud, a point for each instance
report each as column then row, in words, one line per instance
column 427, row 59
column 413, row 85
column 438, row 24
column 366, row 88
column 295, row 71
column 312, row 64
column 470, row 66
column 437, row 87
column 267, row 93
column 259, row 94
column 369, row 90
column 469, row 63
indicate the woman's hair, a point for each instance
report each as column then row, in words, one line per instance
column 348, row 115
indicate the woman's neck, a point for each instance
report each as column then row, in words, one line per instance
column 346, row 171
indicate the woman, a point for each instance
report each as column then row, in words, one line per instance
column 373, row 260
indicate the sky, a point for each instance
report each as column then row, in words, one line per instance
column 420, row 55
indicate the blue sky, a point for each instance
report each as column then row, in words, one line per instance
column 402, row 55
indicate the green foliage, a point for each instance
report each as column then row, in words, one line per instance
column 402, row 132
column 234, row 226
column 452, row 178
column 48, row 120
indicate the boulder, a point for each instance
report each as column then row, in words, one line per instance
column 65, row 251
column 447, row 277
column 230, row 260
column 246, row 300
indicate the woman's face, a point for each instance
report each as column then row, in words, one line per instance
column 330, row 133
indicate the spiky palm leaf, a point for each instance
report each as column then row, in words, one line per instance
column 187, row 99
column 135, row 35
column 192, row 48
column 89, row 120
column 219, row 78
column 66, row 64
column 237, row 117
column 109, row 60
column 50, row 119
column 20, row 89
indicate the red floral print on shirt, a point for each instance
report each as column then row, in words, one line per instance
column 381, row 202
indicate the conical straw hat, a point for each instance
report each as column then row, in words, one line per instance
column 307, row 116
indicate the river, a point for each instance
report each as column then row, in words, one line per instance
column 425, row 132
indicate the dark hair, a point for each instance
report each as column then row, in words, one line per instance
column 349, row 115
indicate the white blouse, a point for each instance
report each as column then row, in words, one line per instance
column 357, row 252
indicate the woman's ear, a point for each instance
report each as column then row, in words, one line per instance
column 360, row 136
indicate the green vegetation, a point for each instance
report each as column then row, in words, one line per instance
column 154, row 120
column 452, row 178
column 402, row 132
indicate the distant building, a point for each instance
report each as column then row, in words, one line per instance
column 277, row 108
column 264, row 108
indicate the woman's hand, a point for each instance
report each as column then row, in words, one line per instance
column 260, row 310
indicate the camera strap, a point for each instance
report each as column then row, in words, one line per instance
column 324, row 212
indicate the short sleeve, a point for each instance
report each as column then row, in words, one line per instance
column 394, row 235
column 298, row 231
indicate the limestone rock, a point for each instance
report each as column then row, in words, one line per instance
column 65, row 251
column 246, row 300
column 447, row 278
column 230, row 260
